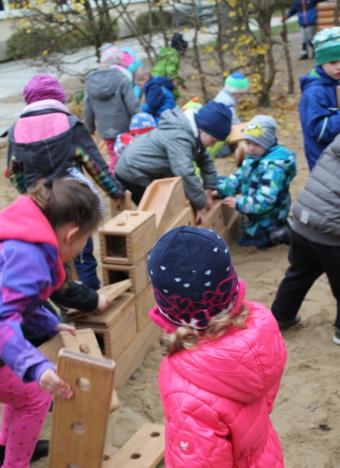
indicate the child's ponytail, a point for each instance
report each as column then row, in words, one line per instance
column 66, row 201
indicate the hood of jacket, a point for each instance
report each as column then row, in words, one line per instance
column 316, row 77
column 243, row 365
column 161, row 81
column 24, row 221
column 175, row 118
column 280, row 155
column 102, row 84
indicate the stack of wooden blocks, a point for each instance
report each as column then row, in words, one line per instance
column 124, row 330
column 326, row 13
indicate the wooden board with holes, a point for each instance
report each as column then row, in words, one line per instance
column 145, row 449
column 166, row 198
column 81, row 422
column 111, row 292
column 125, row 239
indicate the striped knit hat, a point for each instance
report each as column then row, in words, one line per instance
column 42, row 87
column 236, row 83
column 327, row 45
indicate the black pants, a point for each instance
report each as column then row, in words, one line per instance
column 308, row 260
column 136, row 190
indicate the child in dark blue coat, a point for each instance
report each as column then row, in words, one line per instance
column 319, row 114
column 158, row 92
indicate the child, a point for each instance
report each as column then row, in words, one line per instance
column 307, row 15
column 171, row 149
column 315, row 247
column 157, row 90
column 58, row 217
column 169, row 62
column 235, row 86
column 47, row 141
column 263, row 182
column 225, row 357
column 319, row 114
column 140, row 123
column 109, row 101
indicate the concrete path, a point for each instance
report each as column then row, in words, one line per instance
column 15, row 75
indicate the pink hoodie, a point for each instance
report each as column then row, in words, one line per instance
column 217, row 399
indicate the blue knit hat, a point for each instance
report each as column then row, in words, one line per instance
column 261, row 129
column 236, row 83
column 142, row 123
column 214, row 118
column 192, row 276
column 326, row 45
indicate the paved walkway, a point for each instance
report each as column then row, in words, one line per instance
column 15, row 75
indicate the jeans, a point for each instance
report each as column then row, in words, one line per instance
column 86, row 265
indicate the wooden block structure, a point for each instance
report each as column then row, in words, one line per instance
column 127, row 237
column 79, row 424
column 325, row 15
column 121, row 204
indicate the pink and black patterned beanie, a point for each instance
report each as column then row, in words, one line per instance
column 42, row 87
column 192, row 276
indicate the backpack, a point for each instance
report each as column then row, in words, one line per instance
column 168, row 63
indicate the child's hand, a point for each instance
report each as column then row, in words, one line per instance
column 208, row 197
column 103, row 303
column 214, row 194
column 50, row 382
column 199, row 217
column 230, row 201
column 64, row 327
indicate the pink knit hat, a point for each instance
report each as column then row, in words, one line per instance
column 42, row 87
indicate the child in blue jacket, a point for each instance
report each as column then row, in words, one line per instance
column 307, row 14
column 158, row 92
column 319, row 114
column 263, row 183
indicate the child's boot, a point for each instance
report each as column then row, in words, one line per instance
column 304, row 53
column 282, row 235
column 40, row 451
column 336, row 336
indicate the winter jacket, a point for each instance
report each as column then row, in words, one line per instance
column 30, row 270
column 110, row 101
column 227, row 98
column 217, row 398
column 306, row 11
column 158, row 96
column 319, row 114
column 316, row 210
column 47, row 141
column 169, row 151
column 263, row 183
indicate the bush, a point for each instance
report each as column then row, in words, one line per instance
column 156, row 19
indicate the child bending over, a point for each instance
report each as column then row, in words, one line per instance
column 263, row 183
column 58, row 217
column 224, row 357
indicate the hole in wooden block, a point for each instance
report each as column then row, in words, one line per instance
column 134, row 456
column 78, row 428
column 84, row 348
column 155, row 434
column 83, row 384
column 100, row 339
column 115, row 246
column 106, row 457
column 72, row 465
column 115, row 276
column 134, row 213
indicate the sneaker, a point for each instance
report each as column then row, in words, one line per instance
column 40, row 451
column 290, row 323
column 282, row 235
column 336, row 336
column 303, row 56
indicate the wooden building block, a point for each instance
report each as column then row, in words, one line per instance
column 186, row 217
column 115, row 339
column 126, row 238
column 326, row 14
column 215, row 218
column 145, row 449
column 326, row 6
column 166, row 198
column 144, row 303
column 232, row 231
column 326, row 21
column 133, row 356
column 236, row 133
column 138, row 275
column 79, row 424
column 120, row 204
column 110, row 292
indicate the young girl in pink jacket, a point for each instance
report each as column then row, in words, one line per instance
column 224, row 357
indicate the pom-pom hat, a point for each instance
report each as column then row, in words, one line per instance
column 193, row 278
column 236, row 83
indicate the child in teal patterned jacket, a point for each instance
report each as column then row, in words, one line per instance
column 263, row 183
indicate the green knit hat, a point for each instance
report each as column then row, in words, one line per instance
column 236, row 83
column 327, row 45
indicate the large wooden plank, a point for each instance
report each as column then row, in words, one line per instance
column 145, row 449
column 79, row 424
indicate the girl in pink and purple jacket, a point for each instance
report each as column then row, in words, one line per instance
column 224, row 357
column 38, row 233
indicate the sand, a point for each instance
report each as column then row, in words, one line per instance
column 306, row 412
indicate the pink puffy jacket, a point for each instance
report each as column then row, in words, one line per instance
column 217, row 399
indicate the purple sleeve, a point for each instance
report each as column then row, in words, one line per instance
column 25, row 282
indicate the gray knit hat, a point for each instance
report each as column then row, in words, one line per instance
column 261, row 129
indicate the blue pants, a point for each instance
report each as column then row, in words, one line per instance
column 86, row 265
